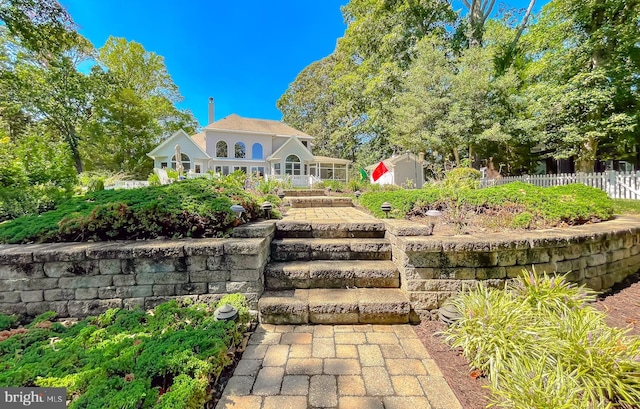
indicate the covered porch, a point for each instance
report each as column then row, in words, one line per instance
column 306, row 173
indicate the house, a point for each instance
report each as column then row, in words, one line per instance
column 401, row 170
column 264, row 147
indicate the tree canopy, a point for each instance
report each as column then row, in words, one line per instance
column 477, row 84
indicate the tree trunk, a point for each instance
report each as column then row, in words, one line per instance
column 456, row 156
column 587, row 160
column 72, row 141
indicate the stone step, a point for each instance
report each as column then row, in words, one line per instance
column 319, row 201
column 329, row 230
column 334, row 306
column 330, row 249
column 303, row 192
column 331, row 274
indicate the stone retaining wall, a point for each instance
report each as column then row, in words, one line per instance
column 81, row 279
column 433, row 268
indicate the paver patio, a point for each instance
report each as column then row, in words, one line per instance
column 340, row 366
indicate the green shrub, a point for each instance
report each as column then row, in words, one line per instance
column 543, row 345
column 357, row 184
column 161, row 358
column 334, row 185
column 570, row 204
column 462, row 178
column 189, row 208
column 7, row 321
column 154, row 180
column 522, row 221
column 30, row 200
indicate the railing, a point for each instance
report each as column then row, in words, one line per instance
column 618, row 185
column 127, row 184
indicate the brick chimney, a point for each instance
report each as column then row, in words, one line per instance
column 211, row 117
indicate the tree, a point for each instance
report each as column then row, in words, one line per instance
column 585, row 60
column 365, row 74
column 134, row 110
column 307, row 104
column 454, row 103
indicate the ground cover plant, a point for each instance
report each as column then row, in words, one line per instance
column 513, row 205
column 163, row 358
column 542, row 344
column 189, row 208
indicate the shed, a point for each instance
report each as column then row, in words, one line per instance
column 401, row 168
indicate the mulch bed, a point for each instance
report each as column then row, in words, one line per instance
column 621, row 303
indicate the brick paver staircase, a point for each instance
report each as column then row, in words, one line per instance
column 332, row 266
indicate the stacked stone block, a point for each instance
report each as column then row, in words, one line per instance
column 81, row 279
column 433, row 268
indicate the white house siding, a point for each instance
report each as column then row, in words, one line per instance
column 231, row 163
column 188, row 147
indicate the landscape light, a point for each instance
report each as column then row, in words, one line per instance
column 226, row 313
column 266, row 207
column 386, row 208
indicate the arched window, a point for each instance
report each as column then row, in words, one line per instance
column 221, row 149
column 241, row 150
column 186, row 162
column 256, row 151
column 292, row 165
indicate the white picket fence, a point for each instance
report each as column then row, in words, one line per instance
column 618, row 185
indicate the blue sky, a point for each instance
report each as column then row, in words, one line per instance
column 243, row 53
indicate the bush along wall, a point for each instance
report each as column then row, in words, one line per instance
column 190, row 208
column 163, row 358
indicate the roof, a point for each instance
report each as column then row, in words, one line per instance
column 235, row 122
column 200, row 140
column 327, row 159
column 390, row 162
column 302, row 150
column 176, row 135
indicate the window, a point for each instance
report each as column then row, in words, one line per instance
column 292, row 165
column 258, row 170
column 306, row 144
column 312, row 169
column 256, row 151
column 221, row 149
column 163, row 165
column 240, row 150
column 198, row 169
column 223, row 170
column 186, row 162
column 243, row 169
column 340, row 172
column 276, row 169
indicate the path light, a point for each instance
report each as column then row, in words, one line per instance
column 238, row 210
column 329, row 189
column 281, row 194
column 266, row 207
column 386, row 208
column 358, row 194
column 433, row 215
column 226, row 313
column 449, row 313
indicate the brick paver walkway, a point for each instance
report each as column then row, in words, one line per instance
column 328, row 215
column 341, row 366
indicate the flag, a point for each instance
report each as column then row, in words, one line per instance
column 379, row 171
column 363, row 174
